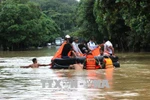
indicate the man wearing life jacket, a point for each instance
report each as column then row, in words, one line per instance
column 67, row 50
column 91, row 62
column 107, row 63
column 58, row 54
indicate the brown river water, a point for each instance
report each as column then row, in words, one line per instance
column 129, row 82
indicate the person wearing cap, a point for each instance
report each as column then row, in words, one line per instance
column 65, row 49
column 67, row 38
column 75, row 47
column 108, row 47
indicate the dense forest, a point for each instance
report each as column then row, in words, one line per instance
column 125, row 22
column 25, row 23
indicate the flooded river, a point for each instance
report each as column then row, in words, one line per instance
column 129, row 82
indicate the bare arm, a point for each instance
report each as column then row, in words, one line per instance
column 80, row 51
column 74, row 47
column 89, row 48
column 101, row 45
column 112, row 50
column 74, row 54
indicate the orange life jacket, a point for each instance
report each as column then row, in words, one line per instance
column 59, row 51
column 96, row 52
column 69, row 53
column 91, row 62
column 108, row 63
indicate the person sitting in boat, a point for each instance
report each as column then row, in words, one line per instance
column 107, row 62
column 67, row 38
column 91, row 45
column 35, row 64
column 83, row 47
column 75, row 47
column 58, row 54
column 108, row 47
column 90, row 63
column 67, row 50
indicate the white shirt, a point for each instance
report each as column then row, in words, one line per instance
column 106, row 47
column 76, row 48
column 91, row 45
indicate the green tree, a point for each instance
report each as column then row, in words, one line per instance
column 86, row 20
column 23, row 24
column 61, row 11
column 125, row 22
column 110, row 22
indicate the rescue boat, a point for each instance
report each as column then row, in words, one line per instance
column 61, row 63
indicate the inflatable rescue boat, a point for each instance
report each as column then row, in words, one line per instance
column 63, row 63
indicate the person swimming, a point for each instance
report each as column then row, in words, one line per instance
column 35, row 64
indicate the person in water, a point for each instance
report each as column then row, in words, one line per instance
column 35, row 64
column 77, row 66
column 107, row 62
column 90, row 63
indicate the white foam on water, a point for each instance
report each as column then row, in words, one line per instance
column 23, row 61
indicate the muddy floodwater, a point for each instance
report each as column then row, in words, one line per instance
column 129, row 82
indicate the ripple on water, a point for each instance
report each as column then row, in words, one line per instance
column 25, row 84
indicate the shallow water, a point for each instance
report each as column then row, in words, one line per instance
column 130, row 82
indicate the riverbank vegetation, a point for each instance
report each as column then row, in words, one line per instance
column 125, row 22
column 25, row 23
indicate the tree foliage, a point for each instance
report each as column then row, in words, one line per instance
column 25, row 23
column 125, row 22
column 22, row 24
column 86, row 19
column 61, row 11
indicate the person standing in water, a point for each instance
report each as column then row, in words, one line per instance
column 35, row 64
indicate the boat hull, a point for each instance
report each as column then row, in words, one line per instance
column 60, row 63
